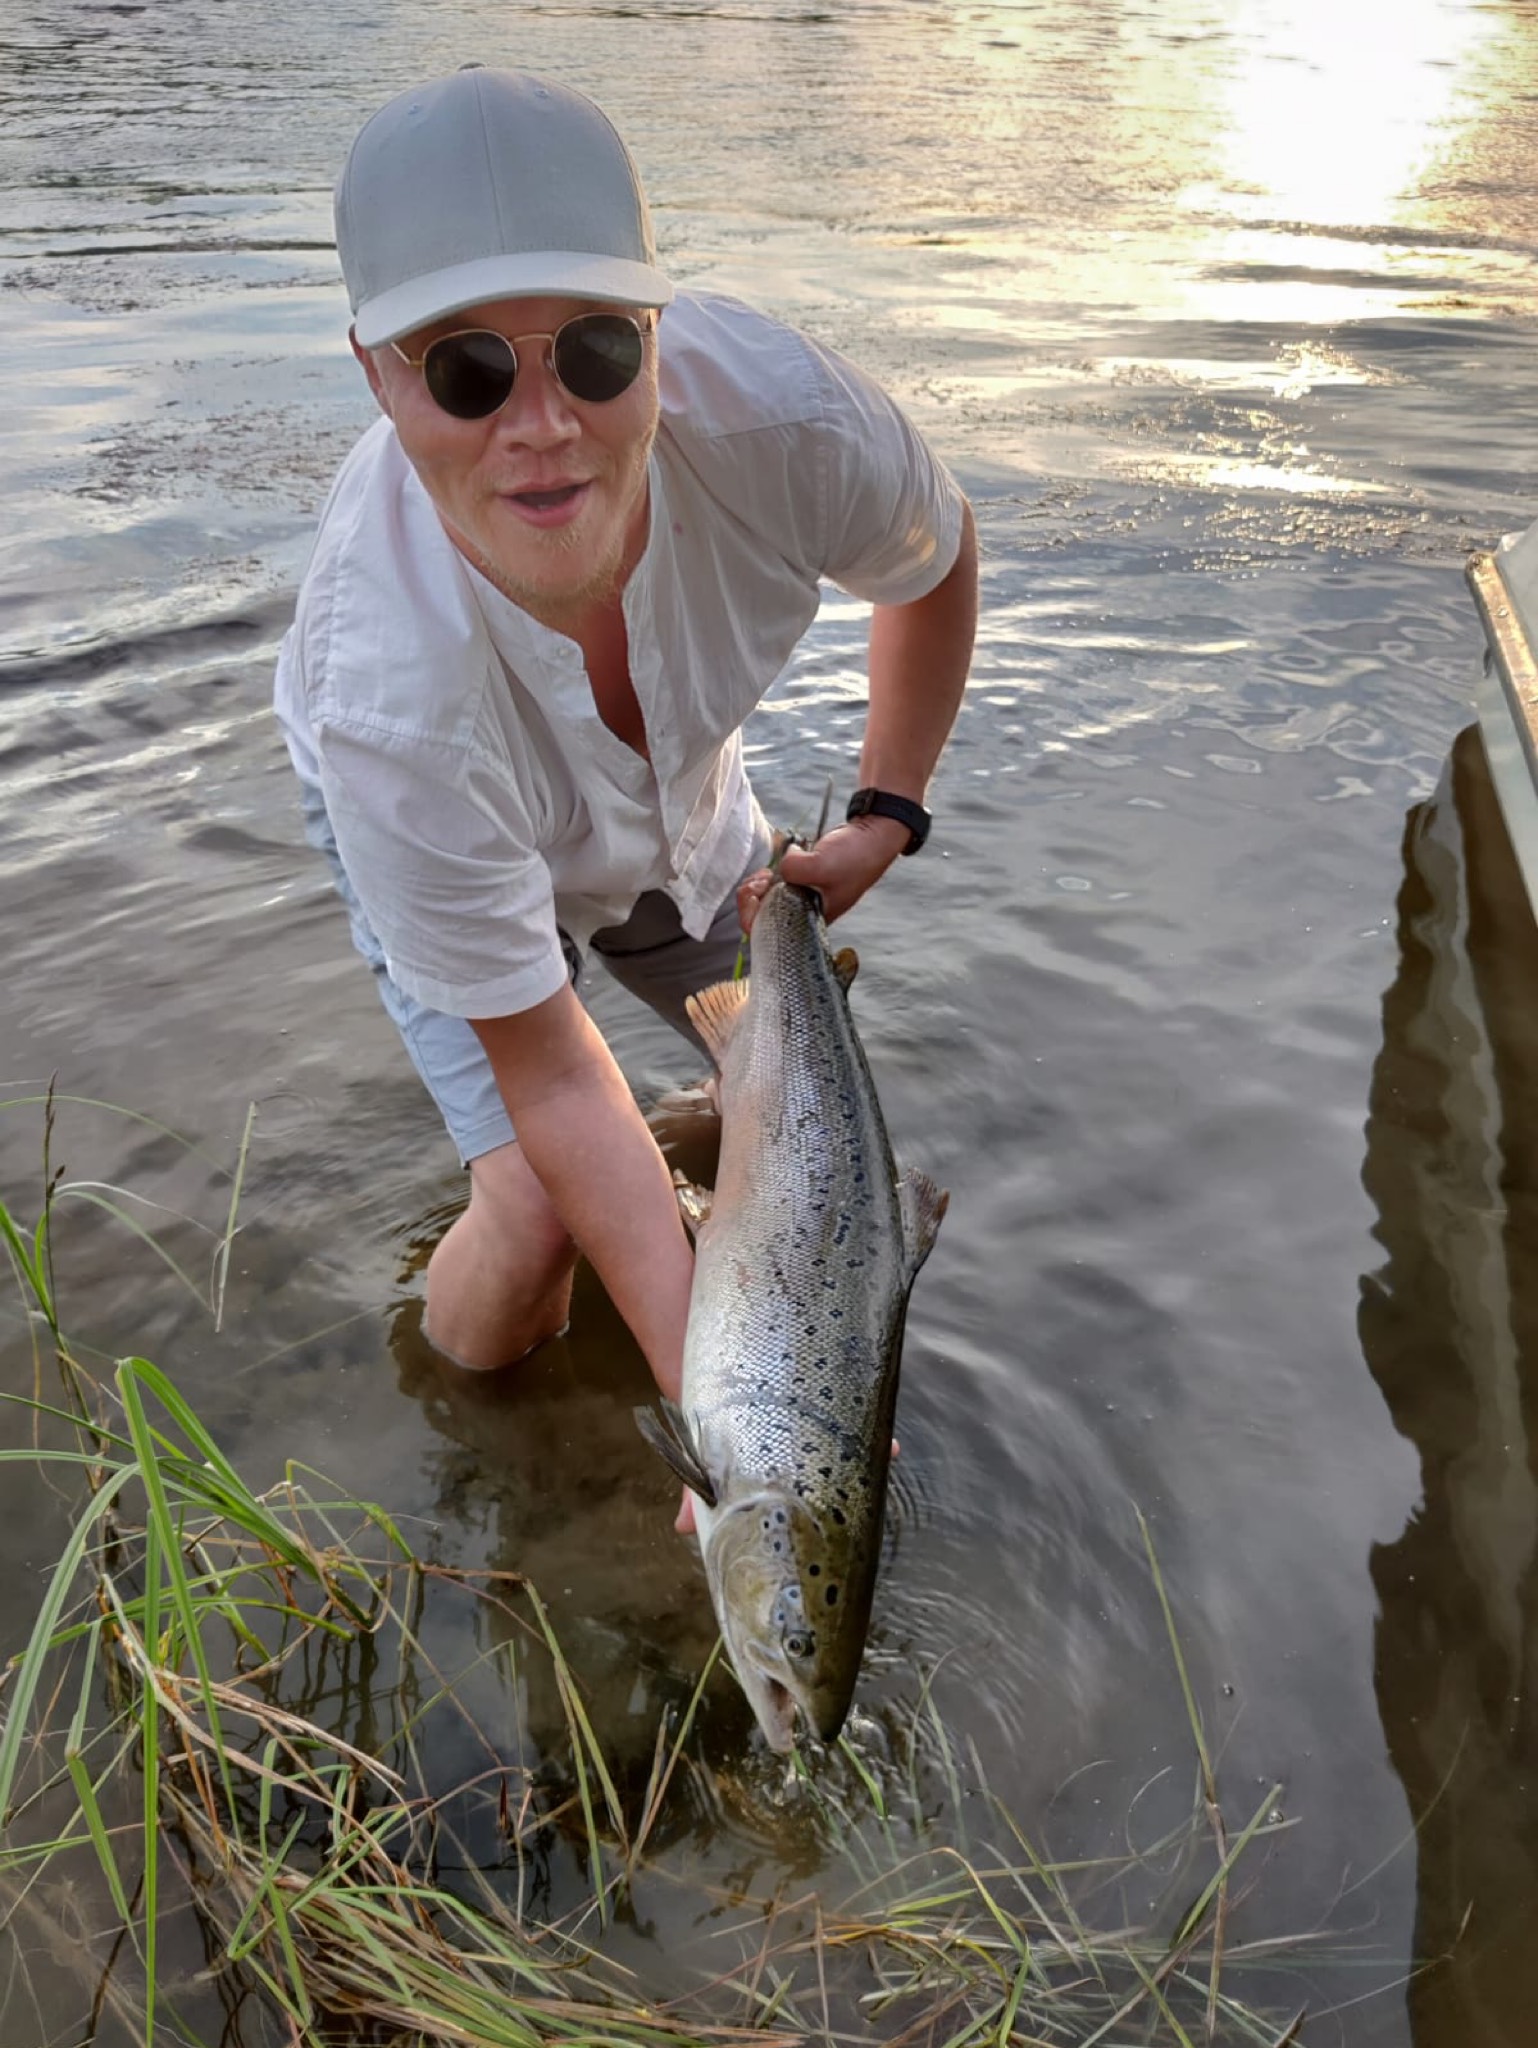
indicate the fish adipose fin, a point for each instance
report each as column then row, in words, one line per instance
column 846, row 965
column 672, row 1439
column 693, row 1202
column 922, row 1205
column 716, row 1012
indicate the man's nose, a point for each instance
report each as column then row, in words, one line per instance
column 538, row 409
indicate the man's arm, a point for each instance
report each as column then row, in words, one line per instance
column 590, row 1149
column 919, row 657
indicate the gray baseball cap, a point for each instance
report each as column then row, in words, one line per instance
column 489, row 185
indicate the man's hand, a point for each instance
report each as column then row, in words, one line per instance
column 840, row 867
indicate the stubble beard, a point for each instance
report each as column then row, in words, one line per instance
column 597, row 580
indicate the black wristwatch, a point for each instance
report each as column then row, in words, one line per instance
column 876, row 803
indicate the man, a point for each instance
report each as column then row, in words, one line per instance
column 549, row 586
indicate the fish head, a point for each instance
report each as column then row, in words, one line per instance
column 791, row 1609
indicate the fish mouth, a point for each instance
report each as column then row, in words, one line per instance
column 775, row 1709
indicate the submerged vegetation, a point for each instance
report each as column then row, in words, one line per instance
column 247, row 1759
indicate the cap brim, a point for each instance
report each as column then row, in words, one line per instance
column 542, row 274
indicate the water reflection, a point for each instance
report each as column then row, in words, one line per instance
column 1379, row 83
column 1449, row 1326
column 539, row 1471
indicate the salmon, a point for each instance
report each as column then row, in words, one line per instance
column 805, row 1256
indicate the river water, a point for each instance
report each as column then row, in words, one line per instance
column 1211, row 1001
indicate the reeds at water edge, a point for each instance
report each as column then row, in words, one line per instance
column 234, row 1706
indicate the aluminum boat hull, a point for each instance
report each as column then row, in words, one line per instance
column 1505, row 586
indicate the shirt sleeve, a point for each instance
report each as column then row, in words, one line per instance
column 464, row 913
column 432, row 836
column 892, row 511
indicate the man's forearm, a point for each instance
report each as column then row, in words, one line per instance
column 591, row 1150
column 609, row 1184
column 919, row 657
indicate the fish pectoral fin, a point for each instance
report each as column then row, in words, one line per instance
column 693, row 1202
column 922, row 1206
column 716, row 1012
column 671, row 1438
column 846, row 965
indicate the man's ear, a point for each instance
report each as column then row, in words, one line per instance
column 376, row 382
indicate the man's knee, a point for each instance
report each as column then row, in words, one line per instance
column 508, row 1202
column 499, row 1282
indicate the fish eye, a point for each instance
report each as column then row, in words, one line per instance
column 798, row 1644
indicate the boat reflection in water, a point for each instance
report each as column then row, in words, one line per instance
column 1449, row 1326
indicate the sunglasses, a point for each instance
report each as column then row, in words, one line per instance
column 595, row 357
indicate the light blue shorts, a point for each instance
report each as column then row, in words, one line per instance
column 650, row 954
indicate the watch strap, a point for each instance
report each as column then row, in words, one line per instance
column 880, row 803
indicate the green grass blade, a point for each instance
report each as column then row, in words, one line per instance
column 86, row 1788
column 1193, row 1918
column 222, row 1256
column 85, row 1192
column 149, row 1726
column 30, row 1665
column 159, row 1521
column 31, row 1269
column 577, row 1713
column 1193, row 1714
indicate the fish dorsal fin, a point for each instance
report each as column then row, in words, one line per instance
column 672, row 1439
column 846, row 965
column 693, row 1202
column 716, row 1012
column 922, row 1206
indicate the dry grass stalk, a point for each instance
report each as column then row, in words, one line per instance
column 184, row 1614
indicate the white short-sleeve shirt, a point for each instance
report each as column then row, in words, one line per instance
column 480, row 805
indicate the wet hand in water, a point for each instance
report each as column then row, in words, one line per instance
column 840, row 867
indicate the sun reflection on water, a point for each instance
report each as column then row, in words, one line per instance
column 1332, row 113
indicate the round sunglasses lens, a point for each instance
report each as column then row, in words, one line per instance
column 599, row 355
column 471, row 374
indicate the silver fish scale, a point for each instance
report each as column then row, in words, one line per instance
column 800, row 1286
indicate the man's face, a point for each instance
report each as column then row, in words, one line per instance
column 548, row 495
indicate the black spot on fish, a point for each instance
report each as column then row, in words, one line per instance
column 814, row 1571
column 838, row 1516
column 831, row 1596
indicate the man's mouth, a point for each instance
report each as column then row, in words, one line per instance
column 549, row 505
column 558, row 494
